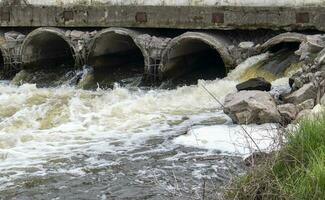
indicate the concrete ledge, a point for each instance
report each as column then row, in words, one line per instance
column 178, row 17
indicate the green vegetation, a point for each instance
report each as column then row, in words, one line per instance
column 296, row 172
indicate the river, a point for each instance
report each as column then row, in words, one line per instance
column 122, row 143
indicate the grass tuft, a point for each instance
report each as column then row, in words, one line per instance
column 297, row 171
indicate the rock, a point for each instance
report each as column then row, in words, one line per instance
column 310, row 77
column 246, row 45
column 76, row 34
column 298, row 83
column 288, row 112
column 279, row 91
column 320, row 74
column 303, row 115
column 322, row 101
column 255, row 84
column 308, row 104
column 247, row 107
column 11, row 35
column 317, row 110
column 21, row 37
column 313, row 44
column 68, row 33
column 308, row 91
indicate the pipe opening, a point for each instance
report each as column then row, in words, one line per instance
column 191, row 60
column 47, row 50
column 47, row 61
column 285, row 46
column 116, row 58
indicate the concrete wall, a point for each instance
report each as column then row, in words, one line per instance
column 188, row 2
column 185, row 17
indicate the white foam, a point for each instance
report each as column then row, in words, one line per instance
column 232, row 139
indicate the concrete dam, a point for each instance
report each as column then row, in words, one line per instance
column 154, row 39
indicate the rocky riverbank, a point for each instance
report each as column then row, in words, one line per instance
column 295, row 169
column 258, row 102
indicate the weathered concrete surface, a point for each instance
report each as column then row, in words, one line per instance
column 180, row 17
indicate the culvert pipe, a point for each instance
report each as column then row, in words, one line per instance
column 48, row 47
column 116, row 53
column 284, row 49
column 292, row 40
column 196, row 55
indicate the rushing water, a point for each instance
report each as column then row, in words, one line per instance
column 68, row 143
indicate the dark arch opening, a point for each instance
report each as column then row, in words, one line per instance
column 47, row 60
column 288, row 46
column 116, row 58
column 283, row 57
column 191, row 60
column 47, row 50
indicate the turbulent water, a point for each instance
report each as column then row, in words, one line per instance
column 68, row 143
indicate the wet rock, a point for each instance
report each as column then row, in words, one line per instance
column 255, row 84
column 297, row 80
column 320, row 59
column 288, row 112
column 278, row 92
column 246, row 45
column 308, row 104
column 308, row 91
column 247, row 107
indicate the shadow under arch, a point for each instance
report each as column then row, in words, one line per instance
column 47, row 48
column 115, row 54
column 194, row 55
column 285, row 40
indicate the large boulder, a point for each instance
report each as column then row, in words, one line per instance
column 312, row 45
column 308, row 91
column 247, row 107
column 255, row 84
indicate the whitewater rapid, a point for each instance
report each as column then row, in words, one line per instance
column 42, row 126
